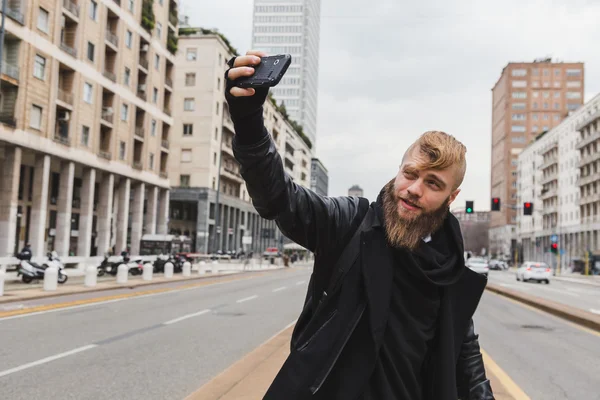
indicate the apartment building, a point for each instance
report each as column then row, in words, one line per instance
column 86, row 90
column 319, row 177
column 528, row 99
column 559, row 174
column 355, row 190
column 208, row 189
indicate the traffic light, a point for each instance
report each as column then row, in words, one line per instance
column 527, row 208
column 554, row 248
column 469, row 207
column 495, row 204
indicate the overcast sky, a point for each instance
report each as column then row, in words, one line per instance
column 393, row 69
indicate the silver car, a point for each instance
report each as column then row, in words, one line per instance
column 479, row 265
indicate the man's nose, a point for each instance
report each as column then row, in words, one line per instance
column 416, row 189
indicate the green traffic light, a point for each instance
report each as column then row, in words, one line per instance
column 469, row 210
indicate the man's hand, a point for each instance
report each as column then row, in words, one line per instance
column 241, row 68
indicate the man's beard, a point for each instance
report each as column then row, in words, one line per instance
column 407, row 233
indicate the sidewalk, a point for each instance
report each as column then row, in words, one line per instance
column 249, row 378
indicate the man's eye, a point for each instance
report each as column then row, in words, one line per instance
column 434, row 183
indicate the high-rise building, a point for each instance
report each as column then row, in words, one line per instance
column 208, row 189
column 85, row 122
column 319, row 177
column 292, row 27
column 528, row 99
column 355, row 190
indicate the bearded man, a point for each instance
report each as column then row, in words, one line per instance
column 388, row 313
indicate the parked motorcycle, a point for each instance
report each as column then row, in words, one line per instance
column 30, row 271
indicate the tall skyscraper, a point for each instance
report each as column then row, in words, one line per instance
column 355, row 190
column 292, row 27
column 528, row 99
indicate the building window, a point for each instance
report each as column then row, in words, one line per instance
column 572, row 107
column 518, row 106
column 534, row 117
column 518, row 128
column 151, row 161
column 189, row 104
column 519, row 95
column 557, row 118
column 214, row 185
column 93, row 10
column 124, row 112
column 127, row 78
column 90, row 51
column 519, row 72
column 122, row 150
column 85, row 135
column 519, row 84
column 155, row 95
column 128, row 39
column 214, row 158
column 131, row 4
column 188, row 129
column 518, row 117
column 184, row 180
column 546, row 106
column 39, row 67
column 87, row 93
column 190, row 79
column 573, row 84
column 158, row 30
column 217, row 108
column 156, row 62
column 186, row 155
column 573, row 95
column 35, row 120
column 191, row 54
column 43, row 18
column 535, row 105
column 546, row 95
column 218, row 83
column 216, row 133
column 153, row 128
column 573, row 72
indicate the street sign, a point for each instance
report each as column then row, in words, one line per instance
column 246, row 239
column 554, row 238
column 218, row 229
column 230, row 231
column 562, row 252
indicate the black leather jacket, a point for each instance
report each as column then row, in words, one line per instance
column 324, row 225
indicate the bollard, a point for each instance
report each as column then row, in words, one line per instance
column 91, row 276
column 187, row 269
column 169, row 270
column 2, row 278
column 148, row 269
column 122, row 273
column 50, row 278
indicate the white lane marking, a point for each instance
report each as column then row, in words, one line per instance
column 123, row 299
column 279, row 289
column 300, row 282
column 247, row 299
column 595, row 311
column 174, row 321
column 47, row 360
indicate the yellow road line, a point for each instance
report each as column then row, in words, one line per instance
column 509, row 385
column 49, row 307
column 573, row 324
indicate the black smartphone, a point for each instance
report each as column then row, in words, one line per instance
column 266, row 74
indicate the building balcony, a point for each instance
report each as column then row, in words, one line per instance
column 590, row 220
column 65, row 140
column 11, row 71
column 589, row 198
column 586, row 180
column 68, row 49
column 15, row 14
column 550, row 209
column 105, row 154
column 169, row 83
column 138, row 165
column 227, row 122
column 110, row 75
column 550, row 161
column 227, row 149
column 144, row 63
column 167, row 110
column 139, row 131
column 232, row 175
column 589, row 120
column 71, row 7
column 117, row 2
column 112, row 39
column 588, row 159
column 165, row 144
column 173, row 20
column 549, row 178
column 549, row 194
column 142, row 95
column 164, row 174
column 8, row 120
column 107, row 118
column 587, row 140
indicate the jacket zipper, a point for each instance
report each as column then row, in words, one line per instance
column 314, row 389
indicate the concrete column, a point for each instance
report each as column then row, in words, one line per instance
column 9, row 199
column 39, row 207
column 137, row 214
column 105, row 211
column 151, row 210
column 163, row 212
column 86, row 218
column 123, row 215
column 64, row 205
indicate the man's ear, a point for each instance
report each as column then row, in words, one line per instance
column 453, row 196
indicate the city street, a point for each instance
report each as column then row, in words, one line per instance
column 167, row 345
column 585, row 297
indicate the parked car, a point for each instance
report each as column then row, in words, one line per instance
column 479, row 265
column 534, row 271
column 498, row 265
column 271, row 252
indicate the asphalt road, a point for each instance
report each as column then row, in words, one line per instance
column 155, row 347
column 586, row 297
column 548, row 358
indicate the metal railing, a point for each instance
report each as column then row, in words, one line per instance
column 108, row 117
column 173, row 19
column 10, row 70
column 142, row 95
column 137, row 165
column 8, row 120
column 163, row 174
column 168, row 81
column 588, row 139
column 65, row 97
column 165, row 143
column 139, row 131
column 110, row 75
column 144, row 62
column 167, row 110
column 105, row 154
column 68, row 49
column 62, row 139
column 72, row 7
column 112, row 38
column 16, row 15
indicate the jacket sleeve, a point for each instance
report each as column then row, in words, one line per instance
column 319, row 223
column 470, row 372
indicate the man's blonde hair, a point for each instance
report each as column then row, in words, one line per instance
column 442, row 151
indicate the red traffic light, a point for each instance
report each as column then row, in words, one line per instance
column 555, row 245
column 496, row 200
column 527, row 205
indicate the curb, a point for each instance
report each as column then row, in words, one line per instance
column 9, row 298
column 580, row 317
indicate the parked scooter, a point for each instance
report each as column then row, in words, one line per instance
column 30, row 271
column 161, row 260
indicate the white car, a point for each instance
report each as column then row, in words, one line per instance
column 479, row 265
column 534, row 271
